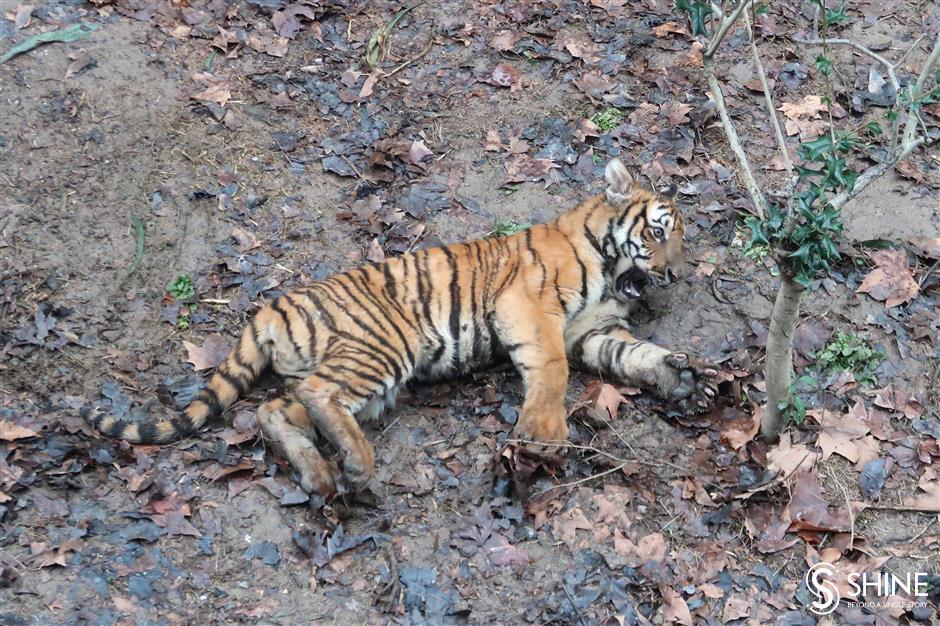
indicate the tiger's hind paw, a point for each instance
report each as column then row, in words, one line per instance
column 697, row 385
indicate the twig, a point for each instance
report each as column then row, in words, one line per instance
column 714, row 87
column 927, row 274
column 910, row 143
column 723, row 26
column 888, row 65
column 907, row 52
column 581, row 481
column 749, row 181
column 768, row 99
column 925, row 72
column 417, row 58
column 848, row 505
column 577, row 611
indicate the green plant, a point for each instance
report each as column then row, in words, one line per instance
column 182, row 288
column 504, row 229
column 850, row 353
column 608, row 119
column 793, row 409
column 806, row 240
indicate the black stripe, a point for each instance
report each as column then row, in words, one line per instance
column 583, row 268
column 454, row 307
column 308, row 320
column 147, row 432
column 240, row 386
column 330, row 322
column 592, row 239
column 424, row 294
column 275, row 304
column 367, row 292
column 339, row 367
column 369, row 365
column 389, row 280
column 181, row 425
column 210, row 398
column 379, row 336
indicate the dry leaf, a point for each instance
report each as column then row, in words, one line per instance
column 929, row 483
column 210, row 354
column 505, row 40
column 218, row 91
column 810, row 106
column 246, row 240
column 523, row 168
column 787, row 459
column 837, row 434
column 368, row 85
column 416, row 154
column 735, row 608
column 892, row 280
column 23, row 15
column 505, row 75
column 492, row 143
column 603, row 398
column 665, row 28
column 927, row 246
column 676, row 112
column 740, row 431
column 579, row 45
column 10, row 431
column 675, row 609
column 79, row 62
column 375, row 253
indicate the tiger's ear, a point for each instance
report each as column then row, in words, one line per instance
column 619, row 181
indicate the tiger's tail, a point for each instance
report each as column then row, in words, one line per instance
column 233, row 378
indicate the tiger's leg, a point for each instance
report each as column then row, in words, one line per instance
column 535, row 342
column 288, row 428
column 331, row 404
column 601, row 342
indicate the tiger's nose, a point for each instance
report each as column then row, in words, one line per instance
column 670, row 275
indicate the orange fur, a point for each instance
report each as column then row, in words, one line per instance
column 553, row 293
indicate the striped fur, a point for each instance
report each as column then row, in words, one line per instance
column 553, row 293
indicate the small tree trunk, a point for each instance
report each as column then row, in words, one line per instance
column 777, row 370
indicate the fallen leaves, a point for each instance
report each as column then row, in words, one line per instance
column 804, row 118
column 523, row 168
column 11, row 431
column 892, row 281
column 210, row 354
column 505, row 75
column 651, row 547
column 216, row 90
column 846, row 435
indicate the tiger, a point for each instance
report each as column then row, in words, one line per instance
column 553, row 295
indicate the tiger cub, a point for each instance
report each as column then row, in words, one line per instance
column 551, row 295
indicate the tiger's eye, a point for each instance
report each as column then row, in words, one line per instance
column 658, row 232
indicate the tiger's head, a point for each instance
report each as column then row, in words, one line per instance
column 642, row 239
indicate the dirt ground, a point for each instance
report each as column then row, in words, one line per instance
column 255, row 163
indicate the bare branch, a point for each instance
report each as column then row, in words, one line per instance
column 726, row 22
column 746, row 173
column 768, row 98
column 911, row 128
column 907, row 52
column 868, row 176
column 910, row 143
column 860, row 48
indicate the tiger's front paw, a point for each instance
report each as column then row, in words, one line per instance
column 696, row 383
column 545, row 426
column 359, row 465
